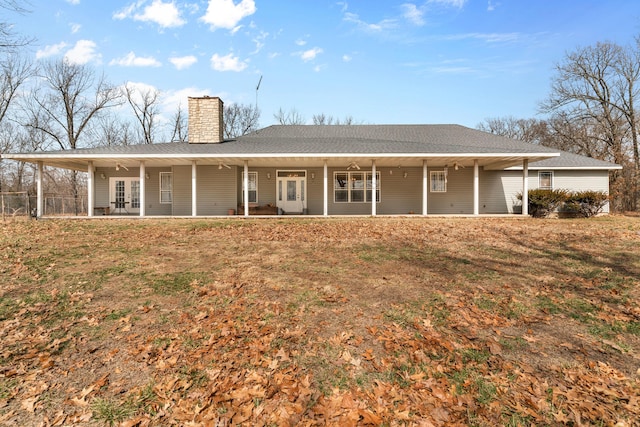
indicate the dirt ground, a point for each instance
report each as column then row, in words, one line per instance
column 351, row 321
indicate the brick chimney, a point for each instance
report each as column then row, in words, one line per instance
column 205, row 120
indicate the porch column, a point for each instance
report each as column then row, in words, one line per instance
column 90, row 188
column 374, row 186
column 245, row 188
column 39, row 204
column 425, row 186
column 525, row 187
column 476, row 188
column 325, row 189
column 194, row 188
column 143, row 185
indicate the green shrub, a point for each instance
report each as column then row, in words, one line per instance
column 586, row 203
column 543, row 202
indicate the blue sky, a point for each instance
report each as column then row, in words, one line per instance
column 379, row 61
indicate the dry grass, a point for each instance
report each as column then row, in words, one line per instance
column 379, row 321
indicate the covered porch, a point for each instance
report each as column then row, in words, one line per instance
column 402, row 184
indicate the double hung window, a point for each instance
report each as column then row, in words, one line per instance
column 253, row 187
column 355, row 187
column 438, row 181
column 166, row 187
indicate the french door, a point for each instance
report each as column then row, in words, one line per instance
column 124, row 195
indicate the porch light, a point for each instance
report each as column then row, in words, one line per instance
column 404, row 175
column 102, row 175
column 268, row 175
column 313, row 175
column 147, row 176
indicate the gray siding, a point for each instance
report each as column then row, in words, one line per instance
column 152, row 193
column 502, row 187
column 216, row 190
column 221, row 189
column 181, row 190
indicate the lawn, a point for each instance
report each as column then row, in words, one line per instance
column 358, row 321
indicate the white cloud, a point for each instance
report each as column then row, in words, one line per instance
column 227, row 63
column 50, row 50
column 309, row 55
column 171, row 100
column 182, row 62
column 259, row 40
column 131, row 60
column 385, row 24
column 487, row 37
column 300, row 42
column 83, row 52
column 491, row 6
column 75, row 28
column 226, row 14
column 452, row 3
column 412, row 14
column 166, row 15
column 346, row 58
column 74, row 2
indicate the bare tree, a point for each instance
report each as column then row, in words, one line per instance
column 293, row 117
column 112, row 130
column 593, row 90
column 70, row 98
column 529, row 130
column 240, row 119
column 180, row 131
column 323, row 119
column 14, row 71
column 14, row 175
column 9, row 40
column 66, row 104
column 144, row 102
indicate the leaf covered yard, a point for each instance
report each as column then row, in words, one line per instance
column 359, row 321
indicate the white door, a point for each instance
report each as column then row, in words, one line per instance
column 291, row 191
column 124, row 195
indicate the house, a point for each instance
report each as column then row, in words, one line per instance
column 320, row 170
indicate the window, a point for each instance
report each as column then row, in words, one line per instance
column 166, row 187
column 438, row 182
column 253, row 187
column 545, row 180
column 355, row 187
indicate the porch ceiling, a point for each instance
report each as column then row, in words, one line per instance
column 487, row 161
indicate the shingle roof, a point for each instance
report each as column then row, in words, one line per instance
column 358, row 140
column 572, row 161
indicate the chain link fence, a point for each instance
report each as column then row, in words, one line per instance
column 21, row 204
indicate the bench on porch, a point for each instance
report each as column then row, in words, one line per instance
column 104, row 209
column 255, row 209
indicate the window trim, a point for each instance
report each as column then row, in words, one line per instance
column 551, row 179
column 169, row 191
column 438, row 176
column 255, row 174
column 367, row 187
